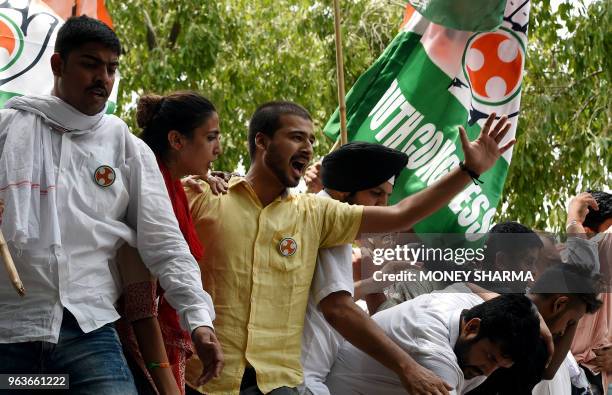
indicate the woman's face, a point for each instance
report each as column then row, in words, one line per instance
column 199, row 151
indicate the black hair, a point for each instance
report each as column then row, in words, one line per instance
column 595, row 218
column 80, row 30
column 180, row 111
column 266, row 120
column 571, row 279
column 512, row 238
column 510, row 321
column 520, row 379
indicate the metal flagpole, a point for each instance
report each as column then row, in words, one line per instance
column 340, row 75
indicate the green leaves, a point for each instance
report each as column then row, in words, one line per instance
column 242, row 53
column 564, row 131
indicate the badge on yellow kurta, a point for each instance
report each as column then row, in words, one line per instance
column 104, row 176
column 287, row 246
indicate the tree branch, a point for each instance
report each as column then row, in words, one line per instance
column 174, row 33
column 151, row 39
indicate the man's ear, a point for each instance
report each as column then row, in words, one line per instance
column 560, row 304
column 261, row 141
column 471, row 329
column 57, row 63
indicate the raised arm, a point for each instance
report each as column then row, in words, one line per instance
column 562, row 347
column 480, row 156
column 544, row 331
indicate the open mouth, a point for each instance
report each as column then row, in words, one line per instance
column 299, row 165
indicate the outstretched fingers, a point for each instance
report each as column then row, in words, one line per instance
column 507, row 146
column 487, row 126
column 465, row 141
column 499, row 126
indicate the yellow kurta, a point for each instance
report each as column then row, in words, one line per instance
column 260, row 292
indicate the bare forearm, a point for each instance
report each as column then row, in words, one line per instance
column 484, row 294
column 151, row 344
column 414, row 208
column 562, row 347
column 362, row 332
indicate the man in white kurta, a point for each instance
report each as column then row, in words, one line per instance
column 331, row 311
column 429, row 328
column 77, row 184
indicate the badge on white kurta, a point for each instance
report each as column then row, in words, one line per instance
column 287, row 246
column 104, row 176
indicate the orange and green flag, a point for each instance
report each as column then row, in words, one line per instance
column 430, row 80
column 27, row 37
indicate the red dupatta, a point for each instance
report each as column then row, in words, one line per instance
column 176, row 339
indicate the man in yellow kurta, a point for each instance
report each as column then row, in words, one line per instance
column 261, row 243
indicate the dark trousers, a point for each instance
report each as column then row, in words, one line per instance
column 248, row 386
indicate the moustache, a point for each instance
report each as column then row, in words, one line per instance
column 98, row 87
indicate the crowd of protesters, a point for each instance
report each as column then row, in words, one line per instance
column 141, row 280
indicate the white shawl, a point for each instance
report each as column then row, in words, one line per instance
column 27, row 177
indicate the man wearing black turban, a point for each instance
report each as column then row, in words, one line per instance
column 357, row 173
column 358, row 166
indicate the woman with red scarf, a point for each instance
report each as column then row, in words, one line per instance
column 182, row 129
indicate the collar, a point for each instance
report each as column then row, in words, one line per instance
column 323, row 193
column 234, row 182
column 454, row 326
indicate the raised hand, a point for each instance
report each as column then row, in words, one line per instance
column 481, row 154
column 579, row 205
column 312, row 177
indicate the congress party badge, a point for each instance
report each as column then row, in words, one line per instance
column 287, row 246
column 104, row 176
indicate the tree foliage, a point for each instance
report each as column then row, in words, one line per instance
column 242, row 53
column 564, row 133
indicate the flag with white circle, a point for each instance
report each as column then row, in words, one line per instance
column 430, row 80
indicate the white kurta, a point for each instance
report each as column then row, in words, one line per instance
column 94, row 221
column 559, row 385
column 427, row 328
column 333, row 273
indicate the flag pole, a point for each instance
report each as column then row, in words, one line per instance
column 340, row 75
column 10, row 266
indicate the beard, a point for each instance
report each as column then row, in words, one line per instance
column 462, row 348
column 274, row 162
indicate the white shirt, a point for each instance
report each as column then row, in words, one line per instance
column 94, row 222
column 560, row 384
column 427, row 328
column 320, row 342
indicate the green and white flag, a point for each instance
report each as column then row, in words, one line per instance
column 471, row 15
column 27, row 36
column 430, row 80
